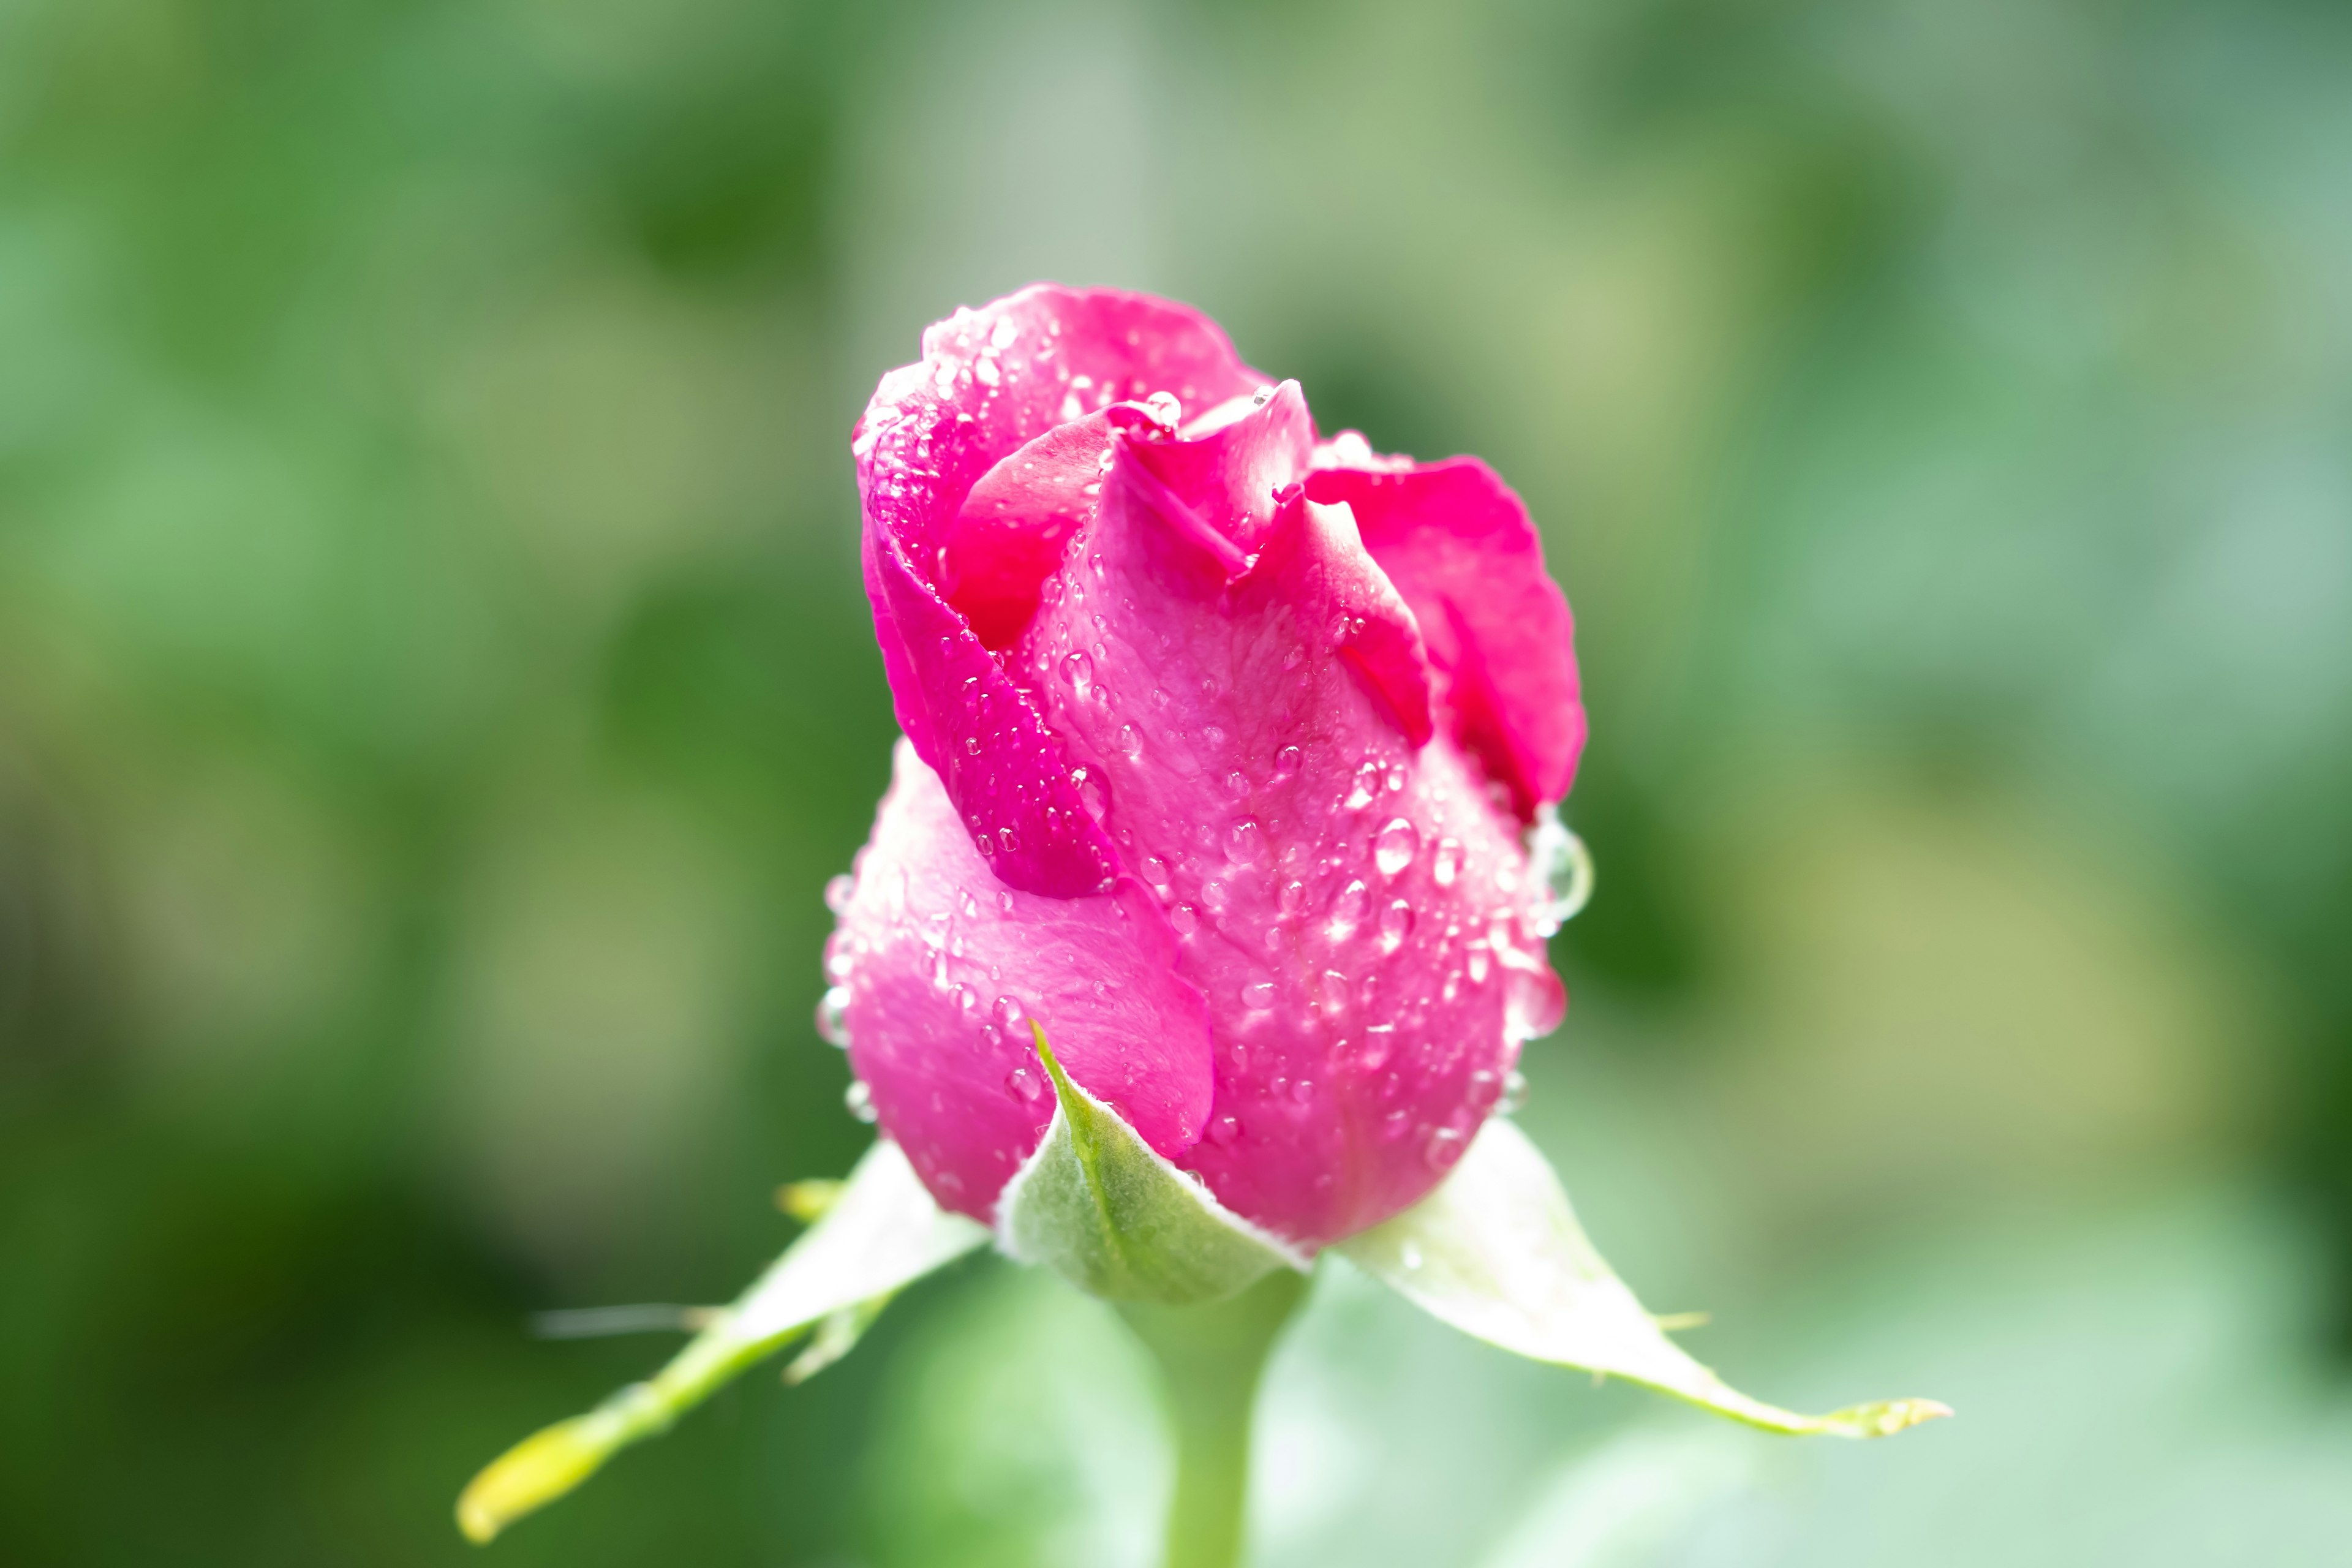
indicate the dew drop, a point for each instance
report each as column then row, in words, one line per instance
column 1007, row 1012
column 1332, row 992
column 1409, row 1254
column 1290, row 899
column 1443, row 1148
column 1185, row 919
column 1027, row 1085
column 1090, row 791
column 1246, row 841
column 1287, row 762
column 1396, row 924
column 1079, row 671
column 1348, row 911
column 969, row 905
column 1130, row 745
column 1562, row 868
column 1258, row 994
column 1515, row 1092
column 1396, row 779
column 833, row 1016
column 1224, row 1131
column 1446, row 863
column 1216, row 896
column 1366, row 784
column 1480, row 960
column 1394, row 850
column 838, row 891
column 860, row 1101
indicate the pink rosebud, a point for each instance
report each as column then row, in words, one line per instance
column 1222, row 743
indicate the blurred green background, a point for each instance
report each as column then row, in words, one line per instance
column 434, row 686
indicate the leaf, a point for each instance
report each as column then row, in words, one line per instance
column 1098, row 1205
column 882, row 1232
column 1497, row 1252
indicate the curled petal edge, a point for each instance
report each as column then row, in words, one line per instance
column 1497, row 1252
column 880, row 1235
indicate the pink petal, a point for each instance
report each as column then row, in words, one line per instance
column 1019, row 805
column 1459, row 547
column 934, row 943
column 1230, row 474
column 1278, row 810
column 992, row 381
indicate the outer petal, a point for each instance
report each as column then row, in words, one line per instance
column 1232, row 474
column 1461, row 549
column 990, row 382
column 983, row 735
column 946, row 963
column 1352, row 907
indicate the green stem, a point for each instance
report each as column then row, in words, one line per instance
column 1210, row 1358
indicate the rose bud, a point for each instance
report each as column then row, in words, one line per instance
column 1222, row 744
column 1205, row 914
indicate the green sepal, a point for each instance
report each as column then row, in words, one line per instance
column 1495, row 1251
column 1100, row 1207
column 882, row 1232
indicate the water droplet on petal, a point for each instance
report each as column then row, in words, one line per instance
column 1223, row 1131
column 1027, row 1084
column 1446, row 863
column 1562, row 868
column 833, row 1016
column 860, row 1101
column 1290, row 899
column 838, row 891
column 1245, row 842
column 1365, row 784
column 1215, row 896
column 1130, row 744
column 1007, row 1011
column 1348, row 911
column 1258, row 994
column 1287, row 762
column 1185, row 919
column 1079, row 671
column 1443, row 1148
column 1394, row 850
column 1396, row 924
column 1515, row 1092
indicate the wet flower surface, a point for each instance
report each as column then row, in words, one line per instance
column 1223, row 746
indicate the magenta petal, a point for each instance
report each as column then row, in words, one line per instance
column 944, row 965
column 1017, row 802
column 1316, row 561
column 990, row 382
column 1459, row 547
column 1229, row 475
column 1009, row 533
column 1352, row 905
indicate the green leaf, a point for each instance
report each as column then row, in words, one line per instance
column 1099, row 1207
column 1497, row 1252
column 880, row 1232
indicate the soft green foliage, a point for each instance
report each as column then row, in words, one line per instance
column 1098, row 1207
column 1497, row 1252
column 880, row 1233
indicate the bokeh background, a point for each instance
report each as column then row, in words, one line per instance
column 435, row 686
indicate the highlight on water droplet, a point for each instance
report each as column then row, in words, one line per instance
column 1562, row 869
column 838, row 891
column 1287, row 762
column 1246, row 841
column 1365, row 784
column 1445, row 861
column 833, row 1016
column 1258, row 994
column 1396, row 924
column 1395, row 846
column 1079, row 671
column 1348, row 911
column 1026, row 1083
column 860, row 1101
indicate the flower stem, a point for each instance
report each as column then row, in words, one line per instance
column 1210, row 1358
